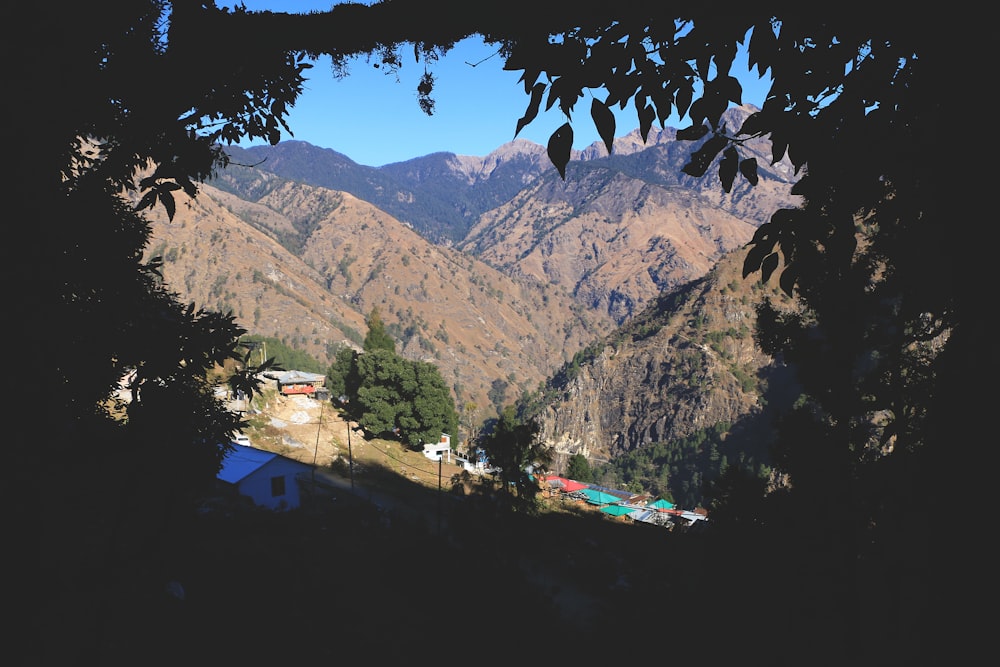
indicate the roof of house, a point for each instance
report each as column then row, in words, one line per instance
column 661, row 504
column 618, row 494
column 242, row 462
column 567, row 485
column 617, row 510
column 596, row 497
column 294, row 377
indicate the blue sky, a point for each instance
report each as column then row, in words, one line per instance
column 374, row 120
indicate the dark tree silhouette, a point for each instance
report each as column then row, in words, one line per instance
column 893, row 351
column 513, row 448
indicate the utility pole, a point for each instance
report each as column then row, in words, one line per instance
column 350, row 454
column 316, row 448
column 440, row 463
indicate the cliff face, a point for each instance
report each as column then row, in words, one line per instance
column 687, row 363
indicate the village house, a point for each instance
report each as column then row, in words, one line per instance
column 268, row 479
column 442, row 448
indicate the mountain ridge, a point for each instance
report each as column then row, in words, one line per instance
column 543, row 269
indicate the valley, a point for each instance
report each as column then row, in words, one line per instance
column 508, row 295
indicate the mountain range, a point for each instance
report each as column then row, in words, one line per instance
column 499, row 272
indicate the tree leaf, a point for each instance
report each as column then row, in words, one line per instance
column 683, row 100
column 646, row 115
column 755, row 256
column 763, row 232
column 767, row 266
column 787, row 281
column 560, row 144
column 692, row 133
column 167, row 200
column 532, row 110
column 528, row 78
column 147, row 201
column 778, row 149
column 763, row 46
column 702, row 158
column 730, row 88
column 604, row 120
column 748, row 168
column 728, row 166
column 753, row 124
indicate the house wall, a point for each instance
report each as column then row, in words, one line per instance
column 434, row 451
column 257, row 486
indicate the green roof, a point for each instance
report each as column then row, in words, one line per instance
column 617, row 510
column 599, row 497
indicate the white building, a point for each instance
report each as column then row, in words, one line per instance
column 437, row 450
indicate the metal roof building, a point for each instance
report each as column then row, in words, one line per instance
column 267, row 478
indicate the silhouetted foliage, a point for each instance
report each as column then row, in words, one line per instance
column 513, row 448
column 342, row 376
column 892, row 349
column 679, row 470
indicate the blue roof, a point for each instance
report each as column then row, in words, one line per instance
column 620, row 495
column 243, row 461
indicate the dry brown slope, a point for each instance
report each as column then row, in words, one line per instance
column 215, row 260
column 684, row 365
column 614, row 242
column 471, row 321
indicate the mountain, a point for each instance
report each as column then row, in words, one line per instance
column 493, row 268
column 618, row 230
column 441, row 194
column 687, row 363
column 306, row 265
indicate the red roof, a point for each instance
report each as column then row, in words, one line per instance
column 563, row 484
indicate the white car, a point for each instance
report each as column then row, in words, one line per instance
column 241, row 439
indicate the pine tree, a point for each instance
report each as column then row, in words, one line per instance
column 579, row 468
column 378, row 338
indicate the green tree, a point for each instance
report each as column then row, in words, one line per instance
column 377, row 337
column 400, row 398
column 342, row 375
column 498, row 394
column 578, row 468
column 380, row 399
column 512, row 447
column 432, row 408
column 392, row 396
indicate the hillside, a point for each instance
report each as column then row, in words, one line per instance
column 537, row 269
column 476, row 324
column 686, row 363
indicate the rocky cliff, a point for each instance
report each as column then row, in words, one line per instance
column 687, row 362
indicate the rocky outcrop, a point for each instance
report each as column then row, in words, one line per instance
column 687, row 363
